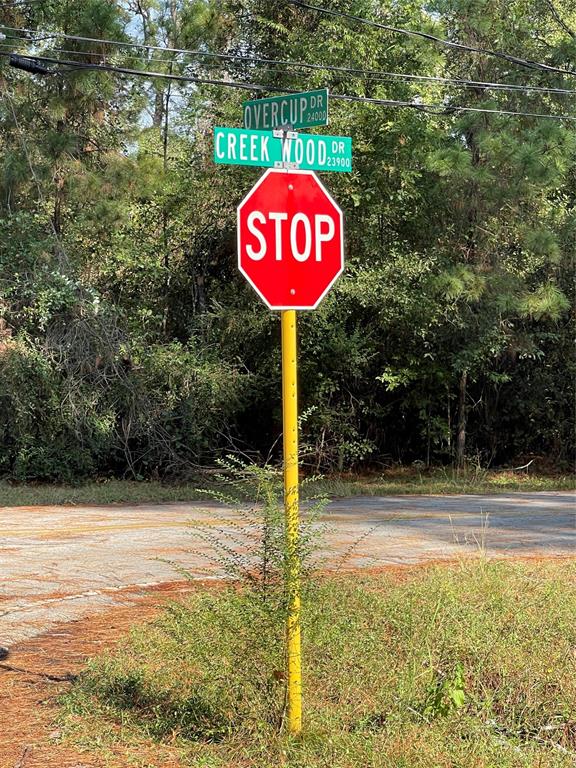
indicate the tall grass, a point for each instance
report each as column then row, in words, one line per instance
column 470, row 666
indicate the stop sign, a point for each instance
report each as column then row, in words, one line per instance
column 290, row 239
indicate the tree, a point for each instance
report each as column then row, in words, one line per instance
column 121, row 304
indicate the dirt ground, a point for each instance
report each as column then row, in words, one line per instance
column 36, row 672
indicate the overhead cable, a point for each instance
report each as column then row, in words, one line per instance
column 446, row 109
column 78, row 65
column 439, row 109
column 86, row 54
column 300, row 64
column 433, row 38
column 20, row 3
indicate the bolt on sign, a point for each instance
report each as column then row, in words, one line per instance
column 235, row 146
column 297, row 110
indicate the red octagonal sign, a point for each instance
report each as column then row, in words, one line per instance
column 290, row 239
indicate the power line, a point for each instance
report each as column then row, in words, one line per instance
column 77, row 65
column 104, row 41
column 21, row 3
column 559, row 20
column 431, row 108
column 147, row 60
column 441, row 109
column 361, row 73
column 426, row 36
column 6, row 46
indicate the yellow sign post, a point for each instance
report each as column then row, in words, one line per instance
column 290, row 422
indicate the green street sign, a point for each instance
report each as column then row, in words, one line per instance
column 298, row 110
column 235, row 146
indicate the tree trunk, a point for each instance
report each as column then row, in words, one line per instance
column 462, row 417
column 449, row 421
column 165, row 238
column 428, row 435
column 58, row 199
column 159, row 104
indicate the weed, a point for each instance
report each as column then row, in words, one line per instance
column 250, row 546
column 445, row 694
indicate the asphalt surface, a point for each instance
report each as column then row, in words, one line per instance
column 58, row 564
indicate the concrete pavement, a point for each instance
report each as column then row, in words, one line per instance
column 58, row 564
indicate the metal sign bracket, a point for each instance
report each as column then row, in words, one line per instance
column 286, row 134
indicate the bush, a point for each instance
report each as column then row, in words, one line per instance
column 39, row 431
column 157, row 411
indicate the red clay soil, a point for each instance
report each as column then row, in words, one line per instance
column 35, row 673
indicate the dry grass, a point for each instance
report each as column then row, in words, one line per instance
column 471, row 666
column 37, row 672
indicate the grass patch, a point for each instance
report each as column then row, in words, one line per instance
column 470, row 666
column 101, row 492
column 395, row 481
column 442, row 481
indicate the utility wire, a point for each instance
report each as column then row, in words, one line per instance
column 20, row 3
column 437, row 109
column 443, row 109
column 426, row 36
column 362, row 73
column 85, row 54
column 104, row 41
column 140, row 59
column 78, row 65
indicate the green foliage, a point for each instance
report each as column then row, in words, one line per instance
column 174, row 403
column 252, row 550
column 546, row 301
column 157, row 412
column 117, row 243
column 37, row 429
column 446, row 694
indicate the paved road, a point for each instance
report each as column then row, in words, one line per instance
column 58, row 564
